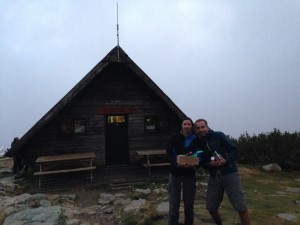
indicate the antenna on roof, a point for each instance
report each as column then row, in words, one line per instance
column 118, row 32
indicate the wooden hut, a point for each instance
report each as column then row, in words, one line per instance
column 115, row 110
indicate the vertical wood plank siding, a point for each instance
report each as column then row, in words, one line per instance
column 116, row 85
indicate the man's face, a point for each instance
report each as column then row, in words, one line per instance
column 201, row 128
column 187, row 127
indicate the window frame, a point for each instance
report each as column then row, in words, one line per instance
column 148, row 126
column 81, row 122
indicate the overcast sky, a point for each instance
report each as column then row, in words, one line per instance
column 235, row 63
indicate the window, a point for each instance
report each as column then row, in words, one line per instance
column 150, row 123
column 79, row 126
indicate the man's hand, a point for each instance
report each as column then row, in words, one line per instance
column 218, row 162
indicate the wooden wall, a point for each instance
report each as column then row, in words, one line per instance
column 117, row 85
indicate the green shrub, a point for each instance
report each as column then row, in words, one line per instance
column 275, row 146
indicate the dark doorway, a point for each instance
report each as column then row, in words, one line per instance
column 117, row 152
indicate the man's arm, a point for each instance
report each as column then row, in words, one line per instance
column 232, row 152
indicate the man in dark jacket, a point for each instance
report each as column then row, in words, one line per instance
column 219, row 157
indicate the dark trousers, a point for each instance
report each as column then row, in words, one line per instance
column 186, row 184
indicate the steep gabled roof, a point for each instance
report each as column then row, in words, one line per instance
column 117, row 54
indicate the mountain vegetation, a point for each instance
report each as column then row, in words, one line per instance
column 278, row 147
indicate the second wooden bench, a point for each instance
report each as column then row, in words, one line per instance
column 148, row 154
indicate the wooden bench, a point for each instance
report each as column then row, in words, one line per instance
column 87, row 156
column 150, row 153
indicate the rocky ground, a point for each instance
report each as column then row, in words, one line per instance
column 83, row 204
column 68, row 202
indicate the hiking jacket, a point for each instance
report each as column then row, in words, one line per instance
column 180, row 145
column 217, row 141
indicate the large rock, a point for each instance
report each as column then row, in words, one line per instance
column 273, row 167
column 106, row 199
column 159, row 191
column 7, row 186
column 287, row 216
column 120, row 199
column 163, row 207
column 135, row 205
column 11, row 201
column 293, row 190
column 143, row 191
column 5, row 171
column 140, row 193
column 39, row 216
column 73, row 222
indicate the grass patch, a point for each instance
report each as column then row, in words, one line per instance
column 136, row 219
column 266, row 194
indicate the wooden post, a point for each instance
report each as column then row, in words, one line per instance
column 148, row 163
column 91, row 164
column 40, row 176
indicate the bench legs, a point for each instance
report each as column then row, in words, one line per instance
column 148, row 165
column 91, row 164
column 64, row 171
column 40, row 176
column 149, row 168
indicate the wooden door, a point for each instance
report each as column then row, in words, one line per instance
column 117, row 152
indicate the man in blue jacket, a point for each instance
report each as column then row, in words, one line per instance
column 219, row 157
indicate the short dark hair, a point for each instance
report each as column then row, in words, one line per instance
column 200, row 120
column 188, row 118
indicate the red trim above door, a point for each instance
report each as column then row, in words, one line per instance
column 116, row 110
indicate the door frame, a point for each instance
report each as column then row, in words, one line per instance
column 126, row 156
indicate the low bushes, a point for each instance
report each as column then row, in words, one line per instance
column 275, row 146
